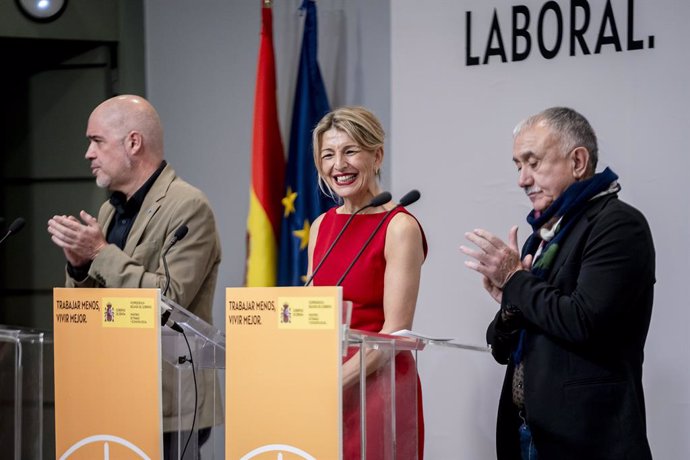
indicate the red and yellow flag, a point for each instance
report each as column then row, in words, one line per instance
column 268, row 167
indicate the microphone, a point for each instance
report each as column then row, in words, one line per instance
column 410, row 197
column 15, row 227
column 166, row 321
column 379, row 200
column 180, row 233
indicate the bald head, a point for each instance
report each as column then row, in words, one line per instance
column 125, row 143
column 129, row 113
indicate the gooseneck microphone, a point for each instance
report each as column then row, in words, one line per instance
column 407, row 199
column 180, row 233
column 14, row 227
column 379, row 200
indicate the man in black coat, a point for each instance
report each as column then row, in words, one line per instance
column 575, row 304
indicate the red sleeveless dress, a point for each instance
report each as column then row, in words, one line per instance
column 363, row 286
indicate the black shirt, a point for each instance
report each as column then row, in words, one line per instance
column 126, row 211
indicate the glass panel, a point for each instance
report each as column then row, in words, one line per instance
column 183, row 386
column 22, row 388
column 387, row 395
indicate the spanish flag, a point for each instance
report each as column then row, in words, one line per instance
column 268, row 167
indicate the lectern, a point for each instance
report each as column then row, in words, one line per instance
column 284, row 379
column 112, row 357
column 24, row 380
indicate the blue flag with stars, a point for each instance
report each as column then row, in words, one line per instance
column 303, row 201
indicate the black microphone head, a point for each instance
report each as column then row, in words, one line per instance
column 409, row 198
column 181, row 232
column 17, row 225
column 380, row 199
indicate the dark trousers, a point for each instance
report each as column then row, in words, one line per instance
column 171, row 443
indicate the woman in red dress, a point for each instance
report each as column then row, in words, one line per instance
column 382, row 285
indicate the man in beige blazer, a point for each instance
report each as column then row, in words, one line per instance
column 123, row 247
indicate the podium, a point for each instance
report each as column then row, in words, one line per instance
column 288, row 351
column 113, row 361
column 24, row 388
column 282, row 366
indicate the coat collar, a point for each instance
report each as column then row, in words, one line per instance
column 594, row 208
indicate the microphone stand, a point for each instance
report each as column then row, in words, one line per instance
column 409, row 198
column 366, row 243
column 378, row 200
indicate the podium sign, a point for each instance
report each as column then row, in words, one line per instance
column 107, row 373
column 283, row 390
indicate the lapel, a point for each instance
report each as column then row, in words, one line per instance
column 151, row 203
column 576, row 233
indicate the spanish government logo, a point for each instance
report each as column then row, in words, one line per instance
column 109, row 313
column 286, row 313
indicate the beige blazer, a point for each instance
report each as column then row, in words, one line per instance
column 192, row 262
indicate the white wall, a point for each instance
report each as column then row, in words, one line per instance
column 449, row 136
column 452, row 127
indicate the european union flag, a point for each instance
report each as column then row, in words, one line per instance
column 303, row 200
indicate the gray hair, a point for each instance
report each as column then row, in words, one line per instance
column 572, row 128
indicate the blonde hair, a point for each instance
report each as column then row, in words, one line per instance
column 358, row 123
